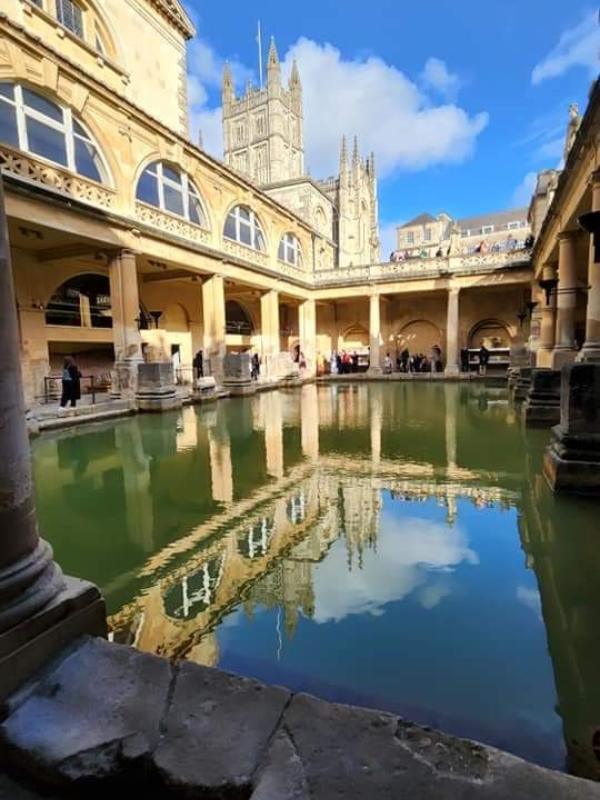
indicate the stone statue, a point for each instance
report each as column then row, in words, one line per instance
column 572, row 128
column 454, row 248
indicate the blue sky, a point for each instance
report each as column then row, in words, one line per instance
column 461, row 101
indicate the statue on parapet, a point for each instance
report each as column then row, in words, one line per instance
column 572, row 128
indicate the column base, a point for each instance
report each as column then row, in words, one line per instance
column 572, row 463
column 375, row 371
column 560, row 358
column 125, row 378
column 452, row 371
column 542, row 407
column 76, row 611
column 156, row 389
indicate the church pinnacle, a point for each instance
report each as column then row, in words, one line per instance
column 227, row 86
column 273, row 65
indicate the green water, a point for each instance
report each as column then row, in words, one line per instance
column 385, row 545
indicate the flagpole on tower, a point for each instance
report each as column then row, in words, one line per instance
column 260, row 60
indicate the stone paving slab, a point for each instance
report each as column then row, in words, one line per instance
column 107, row 716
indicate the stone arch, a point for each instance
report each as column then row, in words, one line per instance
column 175, row 319
column 81, row 300
column 419, row 336
column 238, row 319
column 356, row 337
column 493, row 332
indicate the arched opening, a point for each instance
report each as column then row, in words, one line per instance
column 418, row 336
column 237, row 319
column 355, row 338
column 81, row 302
column 492, row 332
column 164, row 186
column 243, row 226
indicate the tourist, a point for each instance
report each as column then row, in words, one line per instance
column 71, row 383
column 333, row 363
column 320, row 364
column 355, row 361
column 436, row 358
column 387, row 364
column 529, row 241
column 255, row 367
column 464, row 360
column 198, row 364
column 345, row 363
column 439, row 253
column 405, row 359
column 340, row 364
column 302, row 361
column 484, row 357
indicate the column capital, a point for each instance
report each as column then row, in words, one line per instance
column 568, row 236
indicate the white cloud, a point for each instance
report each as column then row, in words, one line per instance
column 524, row 191
column 390, row 114
column 389, row 238
column 531, row 599
column 411, row 554
column 436, row 76
column 577, row 47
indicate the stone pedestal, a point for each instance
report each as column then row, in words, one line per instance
column 542, row 407
column 522, row 385
column 572, row 461
column 205, row 388
column 236, row 374
column 156, row 388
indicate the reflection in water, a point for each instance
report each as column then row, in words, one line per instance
column 387, row 545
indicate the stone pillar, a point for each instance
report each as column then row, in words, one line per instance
column 309, row 421
column 269, row 326
column 214, row 326
column 40, row 610
column 452, row 363
column 125, row 302
column 375, row 334
column 548, row 323
column 307, row 314
column 564, row 346
column 591, row 348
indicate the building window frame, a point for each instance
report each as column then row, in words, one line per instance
column 71, row 16
column 244, row 218
column 427, row 235
column 290, row 250
column 410, row 237
column 190, row 195
column 487, row 229
column 514, row 225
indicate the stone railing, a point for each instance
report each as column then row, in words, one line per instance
column 170, row 223
column 245, row 253
column 55, row 178
column 424, row 268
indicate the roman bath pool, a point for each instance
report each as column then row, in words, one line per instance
column 392, row 546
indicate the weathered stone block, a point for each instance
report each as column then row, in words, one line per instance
column 156, row 387
column 542, row 407
column 216, row 731
column 572, row 461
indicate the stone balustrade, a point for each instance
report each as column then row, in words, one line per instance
column 246, row 253
column 170, row 223
column 55, row 178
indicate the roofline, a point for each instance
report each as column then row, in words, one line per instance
column 184, row 24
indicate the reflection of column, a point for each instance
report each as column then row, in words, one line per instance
column 376, row 412
column 221, row 470
column 309, row 420
column 137, row 485
column 308, row 334
column 187, row 429
column 452, row 367
column 213, row 314
column 269, row 326
column 125, row 303
column 450, row 393
column 36, row 616
column 548, row 322
column 375, row 333
column 591, row 348
column 274, row 434
column 564, row 348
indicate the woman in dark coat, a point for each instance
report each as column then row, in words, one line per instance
column 71, row 383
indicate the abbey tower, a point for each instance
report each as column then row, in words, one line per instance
column 264, row 140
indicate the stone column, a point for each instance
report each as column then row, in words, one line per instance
column 40, row 609
column 214, row 325
column 269, row 326
column 548, row 324
column 308, row 335
column 125, row 302
column 564, row 347
column 591, row 348
column 375, row 334
column 452, row 363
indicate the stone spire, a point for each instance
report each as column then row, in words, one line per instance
column 343, row 156
column 295, row 77
column 273, row 66
column 228, row 90
column 355, row 153
column 296, row 89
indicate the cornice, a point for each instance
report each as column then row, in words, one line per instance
column 175, row 13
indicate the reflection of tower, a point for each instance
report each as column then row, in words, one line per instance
column 561, row 543
column 361, row 505
column 137, row 484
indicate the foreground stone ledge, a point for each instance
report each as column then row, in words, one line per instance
column 108, row 716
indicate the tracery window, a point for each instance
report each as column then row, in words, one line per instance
column 31, row 122
column 166, row 188
column 70, row 15
column 290, row 251
column 242, row 226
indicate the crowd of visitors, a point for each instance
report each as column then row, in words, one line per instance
column 510, row 244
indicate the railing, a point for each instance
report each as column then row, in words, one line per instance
column 425, row 267
column 51, row 176
column 53, row 388
column 246, row 253
column 170, row 223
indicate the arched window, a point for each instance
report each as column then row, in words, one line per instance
column 82, row 301
column 166, row 188
column 70, row 16
column 31, row 122
column 290, row 251
column 242, row 226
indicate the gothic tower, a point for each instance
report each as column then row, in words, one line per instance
column 358, row 217
column 263, row 130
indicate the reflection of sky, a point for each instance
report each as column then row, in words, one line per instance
column 411, row 553
column 437, row 625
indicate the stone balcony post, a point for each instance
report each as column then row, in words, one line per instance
column 375, row 334
column 591, row 348
column 565, row 347
column 452, row 365
column 40, row 609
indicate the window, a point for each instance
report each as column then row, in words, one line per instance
column 243, row 226
column 260, row 125
column 70, row 15
column 240, row 133
column 427, row 234
column 514, row 225
column 410, row 238
column 289, row 250
column 166, row 188
column 487, row 229
column 99, row 44
column 31, row 122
